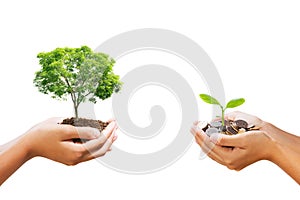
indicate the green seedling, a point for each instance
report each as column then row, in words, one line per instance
column 231, row 104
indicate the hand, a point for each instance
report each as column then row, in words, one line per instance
column 55, row 141
column 237, row 151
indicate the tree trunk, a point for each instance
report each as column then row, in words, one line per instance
column 76, row 111
column 75, row 105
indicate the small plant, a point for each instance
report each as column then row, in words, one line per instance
column 231, row 104
column 79, row 72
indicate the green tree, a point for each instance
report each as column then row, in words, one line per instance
column 78, row 72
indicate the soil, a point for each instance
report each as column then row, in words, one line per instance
column 83, row 122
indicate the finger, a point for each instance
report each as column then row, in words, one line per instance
column 209, row 148
column 103, row 150
column 93, row 148
column 97, row 143
column 66, row 132
column 106, row 147
column 206, row 145
column 216, row 154
column 69, row 132
column 88, row 133
column 204, row 142
column 210, row 151
column 109, row 129
column 228, row 140
column 220, row 154
column 199, row 135
column 115, row 138
column 194, row 129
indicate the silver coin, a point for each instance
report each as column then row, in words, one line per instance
column 210, row 131
column 216, row 124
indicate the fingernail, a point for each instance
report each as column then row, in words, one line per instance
column 115, row 138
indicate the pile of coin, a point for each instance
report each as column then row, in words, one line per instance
column 230, row 127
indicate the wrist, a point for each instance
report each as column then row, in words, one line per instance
column 276, row 147
column 25, row 143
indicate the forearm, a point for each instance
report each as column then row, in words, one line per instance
column 8, row 144
column 286, row 152
column 13, row 157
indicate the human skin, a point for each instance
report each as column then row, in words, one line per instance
column 54, row 141
column 239, row 151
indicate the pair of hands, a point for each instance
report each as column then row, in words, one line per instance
column 54, row 141
column 237, row 151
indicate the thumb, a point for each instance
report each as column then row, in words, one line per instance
column 227, row 140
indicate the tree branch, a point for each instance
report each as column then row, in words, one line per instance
column 73, row 96
column 80, row 100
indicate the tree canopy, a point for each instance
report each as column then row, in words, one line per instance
column 79, row 72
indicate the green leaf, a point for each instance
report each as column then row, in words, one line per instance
column 235, row 102
column 209, row 99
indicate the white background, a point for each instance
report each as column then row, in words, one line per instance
column 255, row 46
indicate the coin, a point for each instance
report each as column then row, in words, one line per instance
column 210, row 131
column 241, row 123
column 253, row 128
column 216, row 124
column 234, row 126
column 242, row 130
column 223, row 128
column 231, row 130
column 230, row 127
column 227, row 122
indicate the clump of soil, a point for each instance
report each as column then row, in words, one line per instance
column 83, row 122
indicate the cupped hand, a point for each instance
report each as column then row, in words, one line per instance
column 236, row 151
column 55, row 141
